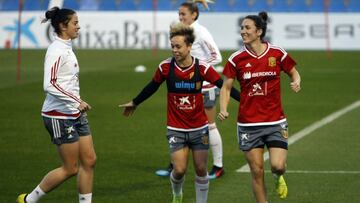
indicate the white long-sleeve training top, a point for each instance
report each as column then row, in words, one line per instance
column 205, row 48
column 61, row 81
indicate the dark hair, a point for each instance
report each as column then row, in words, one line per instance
column 260, row 21
column 57, row 16
column 193, row 8
column 180, row 29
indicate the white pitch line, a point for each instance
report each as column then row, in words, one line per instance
column 312, row 172
column 309, row 129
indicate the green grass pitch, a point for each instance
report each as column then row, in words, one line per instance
column 129, row 150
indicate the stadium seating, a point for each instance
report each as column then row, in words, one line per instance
column 354, row 6
column 90, row 5
column 71, row 4
column 280, row 6
column 224, row 6
column 130, row 5
column 168, row 5
column 171, row 5
column 13, row 5
column 109, row 5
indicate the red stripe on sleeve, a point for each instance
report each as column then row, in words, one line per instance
column 53, row 79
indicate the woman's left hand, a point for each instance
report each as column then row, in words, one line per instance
column 222, row 115
column 295, row 86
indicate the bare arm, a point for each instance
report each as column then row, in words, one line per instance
column 295, row 80
column 225, row 97
column 234, row 93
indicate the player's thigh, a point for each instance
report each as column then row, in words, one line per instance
column 277, row 157
column 69, row 155
column 86, row 150
column 255, row 159
column 180, row 159
column 200, row 158
column 86, row 147
column 199, row 143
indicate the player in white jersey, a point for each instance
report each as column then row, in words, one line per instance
column 64, row 112
column 205, row 49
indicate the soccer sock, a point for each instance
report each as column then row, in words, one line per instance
column 35, row 195
column 216, row 145
column 201, row 188
column 276, row 176
column 176, row 185
column 85, row 198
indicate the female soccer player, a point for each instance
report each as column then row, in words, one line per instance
column 63, row 112
column 261, row 121
column 204, row 48
column 187, row 124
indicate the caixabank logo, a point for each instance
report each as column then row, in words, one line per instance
column 16, row 30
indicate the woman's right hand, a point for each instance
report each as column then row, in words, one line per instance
column 83, row 107
column 129, row 108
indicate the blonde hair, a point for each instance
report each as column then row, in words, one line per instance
column 180, row 29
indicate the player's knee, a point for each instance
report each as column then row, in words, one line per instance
column 201, row 170
column 278, row 169
column 71, row 170
column 89, row 161
column 257, row 171
column 201, row 173
column 179, row 171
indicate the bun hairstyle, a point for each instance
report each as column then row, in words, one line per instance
column 263, row 15
column 260, row 21
column 180, row 29
column 58, row 16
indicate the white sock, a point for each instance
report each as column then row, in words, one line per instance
column 35, row 195
column 215, row 145
column 201, row 188
column 176, row 184
column 85, row 198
